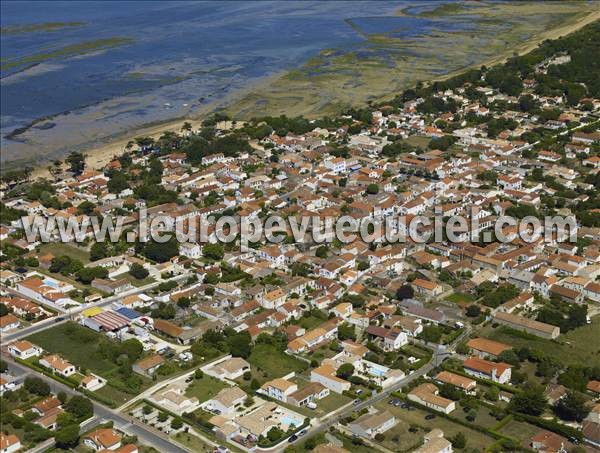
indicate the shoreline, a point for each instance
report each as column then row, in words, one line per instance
column 97, row 156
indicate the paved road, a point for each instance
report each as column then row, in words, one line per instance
column 48, row 323
column 145, row 434
column 440, row 354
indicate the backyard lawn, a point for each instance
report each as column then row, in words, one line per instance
column 271, row 363
column 205, row 388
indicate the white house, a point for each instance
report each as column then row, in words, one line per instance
column 24, row 349
column 279, row 389
column 58, row 365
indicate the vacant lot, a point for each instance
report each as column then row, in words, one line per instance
column 60, row 249
column 205, row 388
column 581, row 345
column 79, row 345
column 270, row 363
column 86, row 349
column 460, row 298
column 475, row 439
column 520, row 431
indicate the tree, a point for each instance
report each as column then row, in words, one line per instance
column 76, row 162
column 138, row 271
column 239, row 345
column 176, row 423
column 275, row 434
column 509, row 356
column 451, row 392
column 463, row 348
column 345, row 371
column 88, row 274
column 3, row 366
column 473, row 311
column 161, row 251
column 531, row 400
column 67, row 437
column 572, row 407
column 184, row 302
column 346, row 332
column 98, row 251
column 132, row 348
column 80, row 407
column 372, row 189
column 4, row 310
column 213, row 251
column 431, row 334
column 198, row 374
column 492, row 393
column 62, row 397
column 405, row 292
column 459, row 440
column 36, row 385
column 118, row 182
column 322, row 252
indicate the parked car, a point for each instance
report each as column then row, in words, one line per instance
column 292, row 438
column 429, row 416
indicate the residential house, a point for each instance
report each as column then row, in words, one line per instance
column 371, row 424
column 279, row 389
column 148, row 366
column 325, row 374
column 103, row 439
column 308, row 394
column 9, row 443
column 391, row 339
column 484, row 369
column 428, row 395
column 58, row 365
column 462, row 382
column 24, row 349
column 482, row 347
column 228, row 369
column 226, row 401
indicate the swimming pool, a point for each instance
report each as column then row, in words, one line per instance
column 289, row 421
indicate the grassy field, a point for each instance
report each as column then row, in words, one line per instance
column 84, row 349
column 521, row 431
column 60, row 248
column 194, row 443
column 113, row 394
column 476, row 440
column 86, row 356
column 205, row 388
column 418, row 140
column 460, row 298
column 579, row 346
column 270, row 363
column 310, row 322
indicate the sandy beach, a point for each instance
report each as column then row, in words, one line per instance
column 100, row 155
